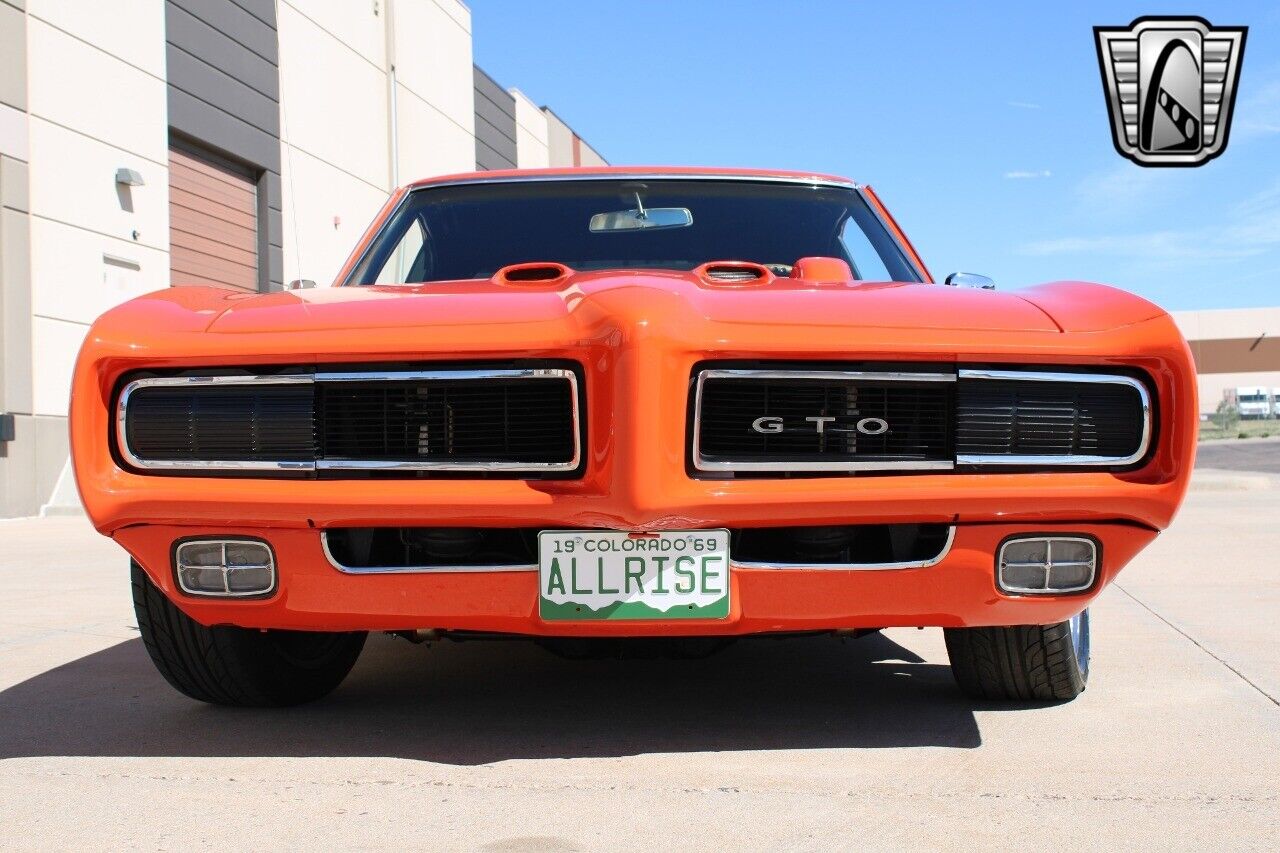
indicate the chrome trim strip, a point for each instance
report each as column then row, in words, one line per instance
column 444, row 375
column 977, row 459
column 135, row 461
column 733, row 564
column 1048, row 564
column 871, row 375
column 807, row 180
column 178, row 565
column 703, row 464
column 409, row 465
column 858, row 567
column 386, row 570
column 861, row 465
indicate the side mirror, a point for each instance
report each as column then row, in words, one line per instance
column 300, row 284
column 970, row 279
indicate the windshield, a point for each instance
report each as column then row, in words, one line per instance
column 470, row 231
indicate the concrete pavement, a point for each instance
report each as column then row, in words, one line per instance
column 804, row 743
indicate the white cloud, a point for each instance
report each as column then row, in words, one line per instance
column 1151, row 246
column 1023, row 105
column 1259, row 114
column 1125, row 192
column 1125, row 184
column 1251, row 228
column 1019, row 176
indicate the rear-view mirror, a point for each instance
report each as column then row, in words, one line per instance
column 641, row 219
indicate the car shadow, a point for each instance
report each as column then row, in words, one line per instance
column 479, row 702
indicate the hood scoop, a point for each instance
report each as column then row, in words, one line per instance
column 535, row 273
column 734, row 273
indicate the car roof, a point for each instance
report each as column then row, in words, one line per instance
column 605, row 172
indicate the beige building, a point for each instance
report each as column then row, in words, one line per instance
column 240, row 143
column 1233, row 348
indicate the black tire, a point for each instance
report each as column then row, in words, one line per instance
column 1028, row 663
column 239, row 666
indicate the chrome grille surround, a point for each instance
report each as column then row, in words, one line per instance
column 250, row 465
column 928, row 373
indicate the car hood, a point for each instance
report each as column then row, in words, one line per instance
column 784, row 302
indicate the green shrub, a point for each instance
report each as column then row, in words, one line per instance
column 1227, row 417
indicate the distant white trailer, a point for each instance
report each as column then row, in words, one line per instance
column 1275, row 402
column 1253, row 401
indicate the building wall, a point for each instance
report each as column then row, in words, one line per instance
column 336, row 173
column 588, row 156
column 17, row 457
column 89, row 243
column 329, row 103
column 560, row 137
column 531, row 133
column 339, row 58
column 1232, row 347
column 495, row 124
column 435, row 80
column 224, row 97
column 565, row 147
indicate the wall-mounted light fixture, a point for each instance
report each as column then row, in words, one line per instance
column 130, row 178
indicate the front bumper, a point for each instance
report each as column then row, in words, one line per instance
column 311, row 594
column 638, row 346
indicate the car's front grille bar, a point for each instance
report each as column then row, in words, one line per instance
column 419, row 550
column 468, row 420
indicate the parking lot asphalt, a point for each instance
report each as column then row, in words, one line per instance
column 799, row 743
column 1249, row 454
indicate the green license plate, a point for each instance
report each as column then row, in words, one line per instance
column 604, row 574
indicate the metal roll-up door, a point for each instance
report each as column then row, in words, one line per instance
column 213, row 223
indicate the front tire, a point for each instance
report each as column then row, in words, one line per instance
column 239, row 666
column 1028, row 663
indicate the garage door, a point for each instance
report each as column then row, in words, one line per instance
column 213, row 223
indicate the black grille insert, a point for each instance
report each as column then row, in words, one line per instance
column 263, row 423
column 824, row 420
column 844, row 545
column 392, row 549
column 1019, row 418
column 514, row 421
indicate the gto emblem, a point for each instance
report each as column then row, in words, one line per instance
column 867, row 426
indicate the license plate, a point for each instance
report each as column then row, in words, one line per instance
column 600, row 574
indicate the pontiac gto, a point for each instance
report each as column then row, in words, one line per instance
column 628, row 403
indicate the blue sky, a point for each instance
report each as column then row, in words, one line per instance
column 983, row 129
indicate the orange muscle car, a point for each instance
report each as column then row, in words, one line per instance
column 628, row 403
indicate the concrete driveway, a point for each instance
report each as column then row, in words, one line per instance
column 809, row 744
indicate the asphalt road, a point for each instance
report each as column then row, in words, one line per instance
column 808, row 744
column 1246, row 454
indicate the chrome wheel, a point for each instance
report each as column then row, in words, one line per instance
column 1079, row 627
